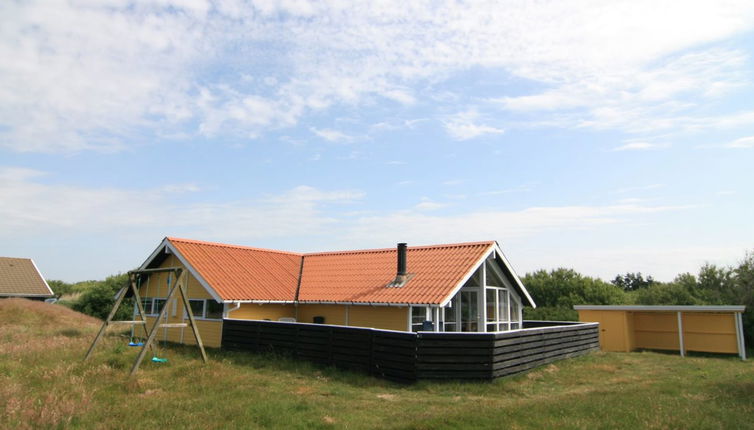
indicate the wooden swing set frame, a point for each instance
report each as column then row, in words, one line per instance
column 178, row 287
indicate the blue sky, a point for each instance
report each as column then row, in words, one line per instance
column 604, row 136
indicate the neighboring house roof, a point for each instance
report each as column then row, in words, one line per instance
column 19, row 277
column 240, row 273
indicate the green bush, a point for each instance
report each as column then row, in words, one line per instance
column 99, row 299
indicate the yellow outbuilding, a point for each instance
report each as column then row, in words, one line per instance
column 717, row 329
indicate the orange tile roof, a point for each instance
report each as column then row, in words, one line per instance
column 244, row 273
column 19, row 277
column 362, row 276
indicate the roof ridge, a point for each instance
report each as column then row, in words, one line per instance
column 340, row 252
column 227, row 245
column 418, row 247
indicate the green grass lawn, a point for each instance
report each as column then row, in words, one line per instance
column 44, row 384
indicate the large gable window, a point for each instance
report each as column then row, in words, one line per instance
column 494, row 306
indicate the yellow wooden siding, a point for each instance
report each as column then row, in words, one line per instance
column 334, row 314
column 710, row 332
column 614, row 335
column 272, row 312
column 629, row 330
column 209, row 330
column 656, row 330
column 384, row 317
column 156, row 286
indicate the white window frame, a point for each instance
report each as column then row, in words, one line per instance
column 205, row 308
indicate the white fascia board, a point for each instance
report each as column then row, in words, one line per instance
column 466, row 277
column 262, row 302
column 660, row 308
column 165, row 244
column 154, row 254
column 193, row 272
column 43, row 280
column 320, row 325
column 520, row 284
column 325, row 302
column 26, row 295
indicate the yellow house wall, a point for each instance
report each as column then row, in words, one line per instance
column 209, row 330
column 334, row 314
column 383, row 317
column 272, row 312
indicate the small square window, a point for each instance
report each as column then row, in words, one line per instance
column 157, row 305
column 197, row 308
column 214, row 310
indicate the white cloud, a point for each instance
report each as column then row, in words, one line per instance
column 642, row 97
column 639, row 146
column 639, row 188
column 31, row 208
column 465, row 126
column 332, row 135
column 427, row 204
column 742, row 143
column 82, row 75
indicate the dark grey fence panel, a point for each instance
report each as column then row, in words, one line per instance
column 454, row 355
column 406, row 356
column 390, row 355
column 515, row 352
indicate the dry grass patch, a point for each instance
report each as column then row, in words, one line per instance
column 44, row 384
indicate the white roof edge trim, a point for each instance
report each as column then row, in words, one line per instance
column 515, row 276
column 262, row 302
column 25, row 295
column 153, row 254
column 703, row 308
column 466, row 277
column 329, row 302
column 41, row 277
column 166, row 244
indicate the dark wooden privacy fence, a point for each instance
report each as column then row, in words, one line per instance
column 406, row 356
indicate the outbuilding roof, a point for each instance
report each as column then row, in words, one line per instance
column 19, row 277
column 240, row 273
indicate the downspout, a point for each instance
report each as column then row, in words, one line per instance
column 298, row 288
column 229, row 310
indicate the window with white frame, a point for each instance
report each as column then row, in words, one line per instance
column 205, row 309
column 146, row 303
column 450, row 315
column 214, row 310
column 498, row 311
column 420, row 314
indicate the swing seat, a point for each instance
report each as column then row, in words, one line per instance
column 132, row 343
column 159, row 360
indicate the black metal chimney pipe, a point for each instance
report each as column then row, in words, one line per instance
column 401, row 259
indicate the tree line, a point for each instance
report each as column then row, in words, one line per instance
column 557, row 291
